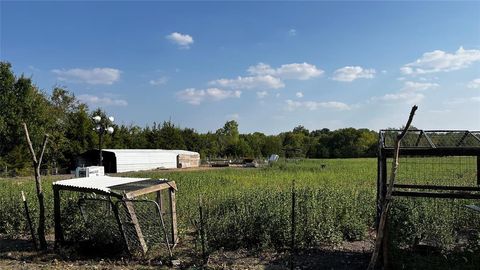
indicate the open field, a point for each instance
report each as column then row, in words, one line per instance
column 250, row 209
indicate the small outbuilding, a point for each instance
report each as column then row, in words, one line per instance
column 125, row 160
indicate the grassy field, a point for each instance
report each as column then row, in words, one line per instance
column 335, row 203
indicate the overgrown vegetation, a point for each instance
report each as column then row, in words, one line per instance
column 251, row 208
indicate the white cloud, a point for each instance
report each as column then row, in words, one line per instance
column 410, row 86
column 313, row 105
column 474, row 83
column 409, row 93
column 262, row 94
column 182, row 40
column 457, row 101
column 101, row 101
column 440, row 61
column 407, row 97
column 292, row 32
column 263, row 76
column 299, row 95
column 195, row 97
column 261, row 69
column 252, row 82
column 91, row 76
column 159, row 81
column 351, row 73
column 294, row 71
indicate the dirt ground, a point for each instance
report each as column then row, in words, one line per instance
column 19, row 254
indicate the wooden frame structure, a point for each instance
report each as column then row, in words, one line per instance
column 428, row 143
column 421, row 143
column 125, row 190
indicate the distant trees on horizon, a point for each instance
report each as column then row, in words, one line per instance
column 69, row 124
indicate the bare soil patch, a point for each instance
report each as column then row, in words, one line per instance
column 19, row 254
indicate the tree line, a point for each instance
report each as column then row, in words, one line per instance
column 69, row 124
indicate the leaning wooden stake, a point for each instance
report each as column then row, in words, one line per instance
column 388, row 197
column 38, row 184
column 29, row 221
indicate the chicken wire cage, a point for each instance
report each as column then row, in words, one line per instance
column 133, row 214
column 433, row 163
column 438, row 175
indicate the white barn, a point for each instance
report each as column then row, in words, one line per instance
column 126, row 160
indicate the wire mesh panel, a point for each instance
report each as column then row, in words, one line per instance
column 443, row 170
column 143, row 227
column 444, row 231
column 89, row 223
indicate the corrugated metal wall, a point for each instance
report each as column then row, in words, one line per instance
column 144, row 160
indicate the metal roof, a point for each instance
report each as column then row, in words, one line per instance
column 97, row 183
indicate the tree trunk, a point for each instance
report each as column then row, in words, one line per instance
column 38, row 184
column 41, row 206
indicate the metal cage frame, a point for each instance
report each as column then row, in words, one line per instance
column 455, row 146
column 126, row 194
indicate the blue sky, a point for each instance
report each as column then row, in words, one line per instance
column 269, row 65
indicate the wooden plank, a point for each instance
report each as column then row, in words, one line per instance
column 419, row 138
column 136, row 225
column 439, row 151
column 87, row 190
column 429, row 140
column 173, row 211
column 158, row 187
column 435, row 187
column 446, row 195
column 475, row 136
column 57, row 217
column 463, row 138
column 160, row 201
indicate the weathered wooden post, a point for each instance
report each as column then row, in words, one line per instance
column 173, row 211
column 380, row 241
column 29, row 221
column 38, row 184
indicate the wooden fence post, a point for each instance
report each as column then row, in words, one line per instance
column 173, row 211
